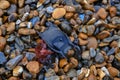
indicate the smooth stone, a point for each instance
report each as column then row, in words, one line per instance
column 34, row 20
column 49, row 73
column 99, row 58
column 82, row 17
column 53, row 78
column 4, row 4
column 30, row 55
column 12, row 9
column 49, row 9
column 72, row 73
column 13, row 62
column 26, row 75
column 2, row 58
column 111, row 51
column 92, row 43
column 92, row 52
column 86, row 55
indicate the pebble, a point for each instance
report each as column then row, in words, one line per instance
column 68, row 15
column 103, row 34
column 117, row 56
column 99, row 58
column 4, row 4
column 10, row 28
column 113, row 11
column 82, row 42
column 49, row 9
column 90, row 29
column 11, row 64
column 50, row 72
column 33, row 67
column 102, row 13
column 17, row 71
column 12, row 9
column 63, row 62
column 2, row 43
column 101, row 73
column 53, row 78
column 58, row 13
column 34, row 20
column 113, row 71
column 21, row 3
column 72, row 73
column 92, row 77
column 2, row 58
column 13, row 78
column 30, row 56
column 86, row 55
column 114, row 44
column 82, row 35
column 92, row 52
column 26, row 31
column 26, row 75
column 111, row 51
column 92, row 43
column 69, row 8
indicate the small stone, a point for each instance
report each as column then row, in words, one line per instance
column 12, row 9
column 67, row 67
column 4, row 4
column 49, row 9
column 26, row 75
column 111, row 51
column 58, row 13
column 13, row 78
column 104, row 69
column 74, row 62
column 10, row 27
column 17, row 71
column 13, row 62
column 33, row 67
column 113, row 71
column 2, row 43
column 90, row 29
column 72, row 73
column 99, row 58
column 30, row 55
column 2, row 58
column 82, row 42
column 102, row 13
column 114, row 44
column 63, row 62
column 1, row 12
column 68, row 15
column 21, row 3
column 92, row 52
column 116, row 78
column 117, row 56
column 49, row 73
column 113, row 11
column 92, row 43
column 12, row 17
column 86, row 55
column 34, row 20
column 103, row 34
column 26, row 31
column 69, row 8
column 92, row 77
column 53, row 78
column 101, row 73
column 82, row 35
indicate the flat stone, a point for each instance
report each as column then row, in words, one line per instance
column 2, row 43
column 4, row 4
column 13, row 62
column 102, row 13
column 58, row 13
column 90, row 29
column 103, row 34
column 86, row 55
column 53, row 78
column 113, row 11
column 33, row 67
column 72, row 73
column 92, row 52
column 99, row 58
column 49, row 73
column 92, row 43
column 2, row 58
column 17, row 70
column 113, row 71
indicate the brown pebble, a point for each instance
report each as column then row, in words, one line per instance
column 67, row 67
column 58, row 13
column 33, row 67
column 1, row 12
column 26, row 31
column 13, row 78
column 82, row 42
column 113, row 71
column 90, row 29
column 82, row 35
column 117, row 56
column 74, row 62
column 92, row 43
column 0, row 32
column 4, row 4
column 114, row 44
column 81, row 76
column 111, row 26
column 69, row 8
column 63, row 62
column 116, row 78
column 68, row 15
column 56, row 68
column 102, row 13
column 92, row 77
column 2, row 43
column 113, row 11
column 103, row 34
column 13, row 1
column 70, row 52
column 100, row 73
column 21, row 3
column 10, row 27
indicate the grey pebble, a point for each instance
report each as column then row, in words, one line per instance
column 72, row 73
column 92, row 52
column 99, row 58
column 111, row 51
column 2, row 58
column 49, row 9
column 30, row 55
column 13, row 62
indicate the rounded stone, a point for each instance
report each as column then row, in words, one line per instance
column 58, row 13
column 63, row 62
column 17, row 71
column 103, row 34
column 86, row 55
column 2, row 42
column 113, row 11
column 4, row 4
column 33, row 67
column 92, row 43
column 102, row 13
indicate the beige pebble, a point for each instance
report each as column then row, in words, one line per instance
column 103, row 34
column 113, row 11
column 69, row 8
column 21, row 3
column 26, row 31
column 92, row 43
column 58, row 13
column 63, row 62
column 4, row 4
column 33, row 67
column 82, row 35
column 102, row 13
column 113, row 71
column 82, row 42
column 17, row 71
column 10, row 27
column 13, row 78
column 2, row 43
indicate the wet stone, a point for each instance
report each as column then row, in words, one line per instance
column 53, row 78
column 13, row 62
column 103, row 34
column 92, row 52
column 99, row 58
column 2, row 43
column 2, row 58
